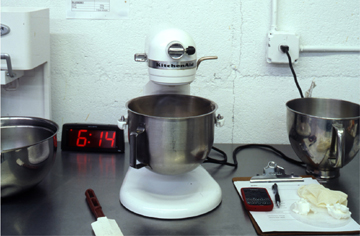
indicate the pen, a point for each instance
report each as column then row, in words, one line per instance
column 277, row 196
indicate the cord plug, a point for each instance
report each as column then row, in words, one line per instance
column 284, row 48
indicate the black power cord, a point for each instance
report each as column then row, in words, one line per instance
column 240, row 148
column 285, row 49
column 222, row 162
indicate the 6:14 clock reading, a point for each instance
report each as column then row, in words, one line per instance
column 92, row 138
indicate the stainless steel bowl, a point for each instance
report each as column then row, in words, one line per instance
column 170, row 134
column 324, row 133
column 27, row 152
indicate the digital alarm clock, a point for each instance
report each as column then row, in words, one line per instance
column 92, row 138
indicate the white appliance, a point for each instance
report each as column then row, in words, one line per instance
column 25, row 62
column 171, row 57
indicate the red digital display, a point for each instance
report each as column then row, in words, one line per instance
column 88, row 138
column 102, row 138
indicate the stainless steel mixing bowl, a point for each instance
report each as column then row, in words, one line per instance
column 170, row 134
column 27, row 152
column 324, row 133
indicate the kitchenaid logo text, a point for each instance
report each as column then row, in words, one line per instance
column 172, row 65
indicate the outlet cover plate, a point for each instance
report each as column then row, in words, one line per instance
column 278, row 38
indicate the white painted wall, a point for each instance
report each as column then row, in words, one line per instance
column 94, row 74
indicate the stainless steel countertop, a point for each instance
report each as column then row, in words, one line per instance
column 57, row 206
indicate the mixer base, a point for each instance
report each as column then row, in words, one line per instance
column 169, row 197
column 323, row 174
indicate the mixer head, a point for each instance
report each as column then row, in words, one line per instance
column 171, row 56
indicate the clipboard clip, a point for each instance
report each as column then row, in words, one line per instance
column 275, row 173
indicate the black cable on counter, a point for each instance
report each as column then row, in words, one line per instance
column 240, row 148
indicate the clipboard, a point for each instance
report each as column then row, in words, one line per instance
column 260, row 232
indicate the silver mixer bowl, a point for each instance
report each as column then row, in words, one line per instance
column 324, row 133
column 170, row 134
column 27, row 152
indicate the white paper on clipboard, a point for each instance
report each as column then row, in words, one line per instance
column 97, row 9
column 283, row 219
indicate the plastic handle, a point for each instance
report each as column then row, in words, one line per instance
column 133, row 147
column 94, row 204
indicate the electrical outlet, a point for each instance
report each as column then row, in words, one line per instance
column 278, row 38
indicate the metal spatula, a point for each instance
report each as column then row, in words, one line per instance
column 103, row 226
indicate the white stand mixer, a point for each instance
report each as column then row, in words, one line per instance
column 171, row 57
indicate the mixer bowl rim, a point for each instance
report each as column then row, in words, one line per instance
column 321, row 117
column 50, row 122
column 172, row 118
